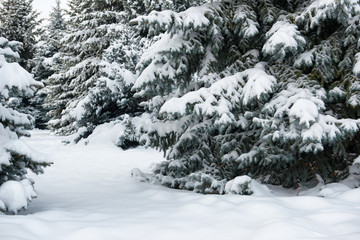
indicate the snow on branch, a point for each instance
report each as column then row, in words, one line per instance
column 13, row 76
column 194, row 18
column 282, row 38
column 356, row 68
column 258, row 85
column 223, row 96
column 245, row 20
column 321, row 10
column 156, row 21
column 219, row 99
column 298, row 115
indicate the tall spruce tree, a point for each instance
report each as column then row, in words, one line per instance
column 259, row 88
column 48, row 48
column 46, row 61
column 91, row 28
column 19, row 23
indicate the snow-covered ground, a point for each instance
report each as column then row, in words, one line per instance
column 89, row 194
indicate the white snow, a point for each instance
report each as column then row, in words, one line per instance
column 281, row 38
column 12, row 75
column 321, row 10
column 9, row 52
column 15, row 195
column 249, row 28
column 89, row 194
column 3, row 41
column 78, row 109
column 21, row 147
column 357, row 160
column 258, row 83
column 318, row 11
column 244, row 184
column 305, row 59
column 333, row 189
column 28, row 189
column 110, row 133
column 206, row 98
column 107, row 133
column 304, row 110
column 2, row 206
column 221, row 96
column 193, row 17
column 356, row 69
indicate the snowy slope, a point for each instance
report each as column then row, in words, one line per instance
column 89, row 194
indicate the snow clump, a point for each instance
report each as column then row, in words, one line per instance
column 244, row 185
column 15, row 195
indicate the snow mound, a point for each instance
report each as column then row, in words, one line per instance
column 106, row 134
column 138, row 174
column 352, row 195
column 15, row 195
column 333, row 189
column 244, row 185
column 114, row 132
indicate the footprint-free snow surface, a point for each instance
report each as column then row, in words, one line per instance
column 89, row 194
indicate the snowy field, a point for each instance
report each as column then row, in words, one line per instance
column 89, row 194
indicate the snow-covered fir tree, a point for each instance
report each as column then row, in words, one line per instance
column 19, row 23
column 15, row 156
column 263, row 88
column 91, row 28
column 99, row 56
column 48, row 48
column 111, row 97
column 46, row 61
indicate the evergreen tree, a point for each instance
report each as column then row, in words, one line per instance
column 100, row 54
column 57, row 21
column 19, row 23
column 256, row 88
column 46, row 61
column 49, row 45
column 15, row 156
column 91, row 28
column 111, row 96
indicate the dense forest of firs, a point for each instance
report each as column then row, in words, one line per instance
column 269, row 88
